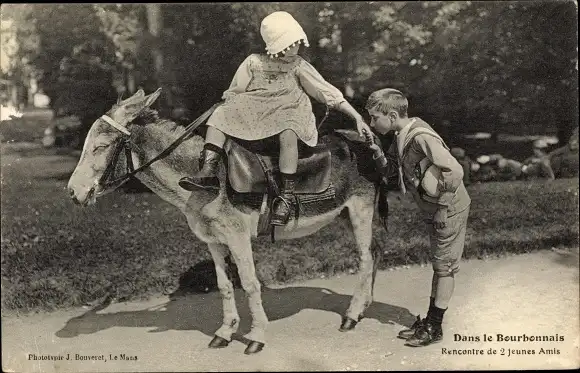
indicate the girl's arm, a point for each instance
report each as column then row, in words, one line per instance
column 241, row 79
column 322, row 91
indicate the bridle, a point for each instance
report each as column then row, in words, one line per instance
column 124, row 145
column 103, row 182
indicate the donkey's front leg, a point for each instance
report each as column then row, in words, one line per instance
column 231, row 319
column 241, row 250
column 361, row 216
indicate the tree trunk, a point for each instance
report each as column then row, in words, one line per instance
column 155, row 28
column 567, row 112
column 346, row 37
column 131, row 82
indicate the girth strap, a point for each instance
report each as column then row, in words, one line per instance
column 272, row 185
column 130, row 166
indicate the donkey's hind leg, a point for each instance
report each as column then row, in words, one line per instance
column 231, row 319
column 361, row 211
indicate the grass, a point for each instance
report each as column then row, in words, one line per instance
column 27, row 128
column 58, row 255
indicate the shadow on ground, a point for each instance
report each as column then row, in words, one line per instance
column 197, row 306
column 568, row 258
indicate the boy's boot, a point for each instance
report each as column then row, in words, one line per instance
column 430, row 330
column 408, row 333
column 284, row 203
column 206, row 177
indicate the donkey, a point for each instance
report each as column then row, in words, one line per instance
column 227, row 228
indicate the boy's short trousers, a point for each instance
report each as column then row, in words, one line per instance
column 446, row 244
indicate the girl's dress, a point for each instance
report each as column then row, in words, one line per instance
column 268, row 96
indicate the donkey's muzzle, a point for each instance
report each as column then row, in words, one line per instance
column 74, row 197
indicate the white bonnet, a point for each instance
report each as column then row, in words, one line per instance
column 281, row 31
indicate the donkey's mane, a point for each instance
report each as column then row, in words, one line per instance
column 150, row 117
column 160, row 134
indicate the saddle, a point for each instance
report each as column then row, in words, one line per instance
column 253, row 178
column 253, row 175
column 256, row 170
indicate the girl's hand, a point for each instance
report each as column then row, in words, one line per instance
column 370, row 142
column 362, row 127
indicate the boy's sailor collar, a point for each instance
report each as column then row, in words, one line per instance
column 406, row 128
column 402, row 134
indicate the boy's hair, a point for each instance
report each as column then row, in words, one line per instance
column 387, row 99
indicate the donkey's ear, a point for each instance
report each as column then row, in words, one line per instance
column 136, row 105
column 152, row 97
column 139, row 93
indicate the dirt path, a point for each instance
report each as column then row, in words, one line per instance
column 533, row 294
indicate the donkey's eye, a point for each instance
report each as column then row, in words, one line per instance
column 100, row 147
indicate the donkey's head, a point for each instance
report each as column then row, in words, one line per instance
column 102, row 143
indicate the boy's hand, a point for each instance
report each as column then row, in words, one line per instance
column 440, row 218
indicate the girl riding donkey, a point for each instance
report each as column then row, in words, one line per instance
column 268, row 96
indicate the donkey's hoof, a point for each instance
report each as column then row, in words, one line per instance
column 218, row 342
column 347, row 324
column 254, row 347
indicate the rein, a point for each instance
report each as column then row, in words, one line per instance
column 323, row 119
column 126, row 146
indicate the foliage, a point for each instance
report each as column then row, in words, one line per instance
column 492, row 74
column 123, row 26
column 83, row 84
column 46, row 33
column 70, row 58
column 466, row 66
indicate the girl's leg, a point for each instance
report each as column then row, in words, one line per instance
column 288, row 164
column 206, row 177
column 215, row 137
column 288, row 152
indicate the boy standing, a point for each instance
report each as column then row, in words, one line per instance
column 434, row 177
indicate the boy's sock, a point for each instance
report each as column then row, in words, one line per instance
column 431, row 304
column 435, row 315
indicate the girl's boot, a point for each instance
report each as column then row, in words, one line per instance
column 206, row 177
column 284, row 203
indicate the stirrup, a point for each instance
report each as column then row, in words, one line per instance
column 277, row 219
column 285, row 200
